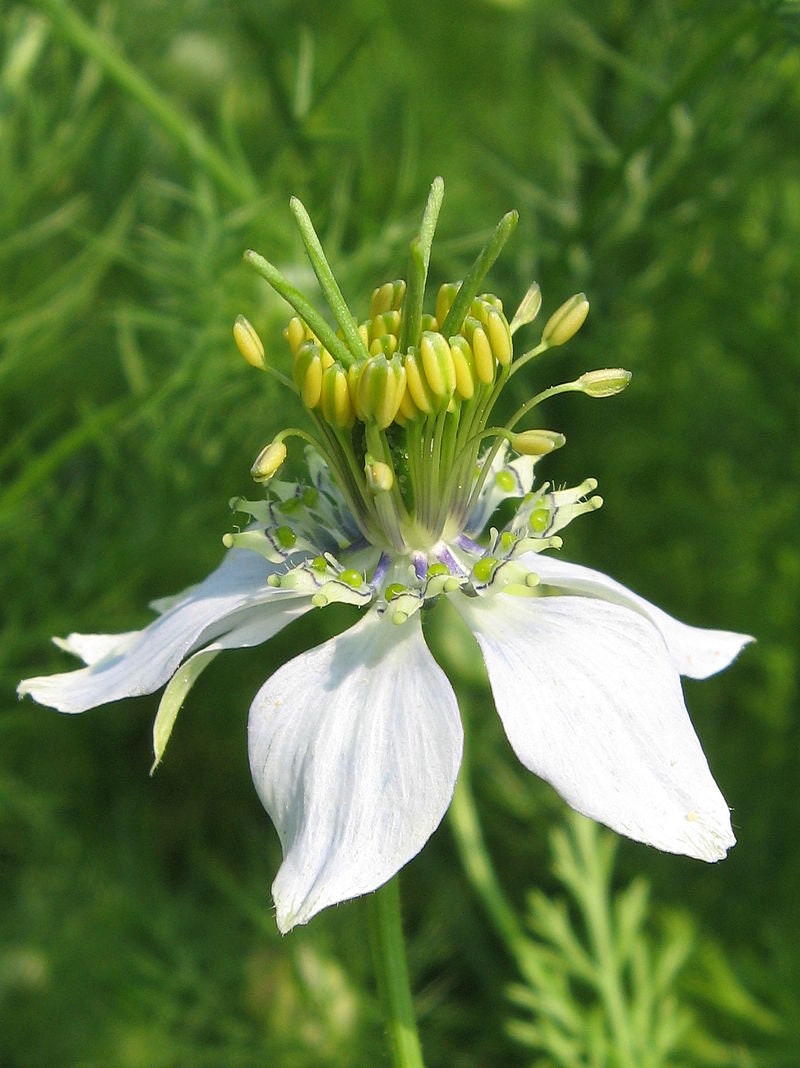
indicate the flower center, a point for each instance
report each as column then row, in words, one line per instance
column 409, row 468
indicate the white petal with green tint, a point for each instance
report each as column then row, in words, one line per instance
column 591, row 702
column 354, row 749
column 695, row 651
column 264, row 621
column 138, row 663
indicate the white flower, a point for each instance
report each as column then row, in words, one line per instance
column 355, row 745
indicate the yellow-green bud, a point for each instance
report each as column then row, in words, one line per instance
column 268, row 461
column 248, row 342
column 380, row 477
column 604, row 383
column 537, row 442
column 528, row 308
column 566, row 321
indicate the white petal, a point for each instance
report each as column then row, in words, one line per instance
column 354, row 749
column 695, row 651
column 138, row 663
column 93, row 647
column 591, row 702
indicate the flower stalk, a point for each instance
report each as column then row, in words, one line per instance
column 391, row 971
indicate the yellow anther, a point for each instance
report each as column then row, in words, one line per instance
column 444, row 299
column 248, row 342
column 353, row 375
column 428, row 322
column 268, row 461
column 481, row 350
column 385, row 323
column 464, row 367
column 499, row 336
column 380, row 477
column 335, row 398
column 408, row 411
column 417, row 383
column 307, row 373
column 604, row 383
column 437, row 363
column 327, row 359
column 491, row 300
column 386, row 345
column 566, row 321
column 387, row 297
column 381, row 385
column 537, row 442
column 363, row 333
column 296, row 334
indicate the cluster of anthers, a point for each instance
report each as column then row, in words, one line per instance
column 406, row 468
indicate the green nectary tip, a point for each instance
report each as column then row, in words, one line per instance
column 484, row 568
column 505, row 481
column 438, row 569
column 286, row 537
column 394, row 589
column 351, row 578
column 319, row 563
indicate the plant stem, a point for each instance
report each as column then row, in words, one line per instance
column 389, row 954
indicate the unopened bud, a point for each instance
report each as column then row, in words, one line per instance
column 268, row 461
column 248, row 342
column 566, row 321
column 528, row 308
column 604, row 383
column 537, row 442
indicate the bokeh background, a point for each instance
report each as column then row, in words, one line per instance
column 651, row 148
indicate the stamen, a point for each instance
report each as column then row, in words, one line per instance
column 566, row 321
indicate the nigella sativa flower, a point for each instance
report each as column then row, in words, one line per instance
column 413, row 494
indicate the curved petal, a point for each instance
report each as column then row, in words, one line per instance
column 128, row 665
column 354, row 749
column 591, row 702
column 695, row 651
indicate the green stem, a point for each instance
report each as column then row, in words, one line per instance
column 388, row 951
column 183, row 129
column 477, row 864
column 418, row 268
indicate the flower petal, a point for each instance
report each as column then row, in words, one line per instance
column 591, row 702
column 354, row 749
column 128, row 665
column 695, row 651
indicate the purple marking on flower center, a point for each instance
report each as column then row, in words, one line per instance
column 467, row 544
column 381, row 568
column 446, row 557
column 420, row 565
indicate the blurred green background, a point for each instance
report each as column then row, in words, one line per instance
column 651, row 149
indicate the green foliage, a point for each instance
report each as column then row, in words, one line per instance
column 651, row 151
column 605, row 985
